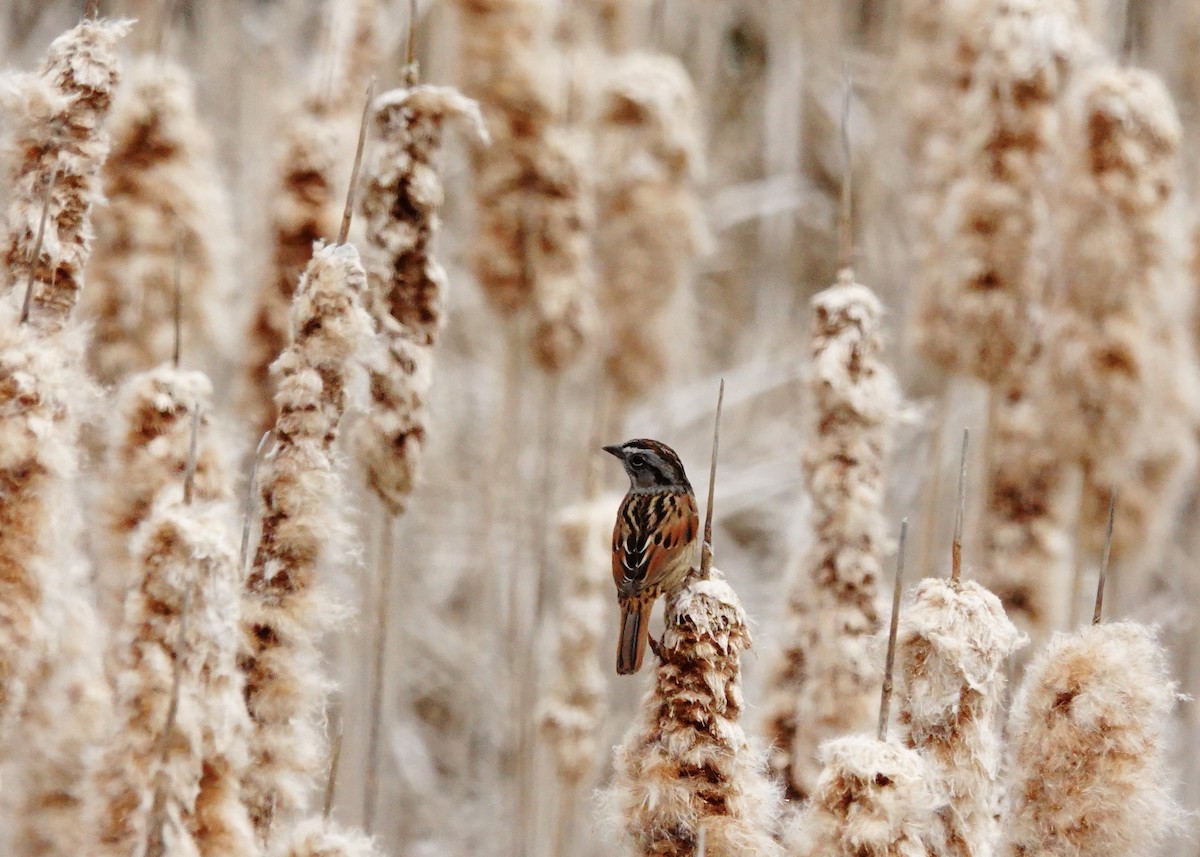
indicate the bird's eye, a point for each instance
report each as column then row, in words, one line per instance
column 637, row 459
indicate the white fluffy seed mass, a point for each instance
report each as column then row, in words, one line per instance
column 873, row 799
column 953, row 644
column 1088, row 747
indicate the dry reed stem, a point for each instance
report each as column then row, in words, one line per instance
column 188, row 560
column 953, row 645
column 147, row 450
column 983, row 271
column 1119, row 371
column 303, row 210
column 649, row 231
column 854, row 398
column 688, row 765
column 163, row 192
column 57, row 130
column 299, row 488
column 1089, row 743
column 401, row 204
column 572, row 715
column 873, row 799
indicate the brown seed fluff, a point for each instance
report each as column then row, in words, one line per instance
column 827, row 681
column 164, row 198
column 57, row 135
column 401, row 204
column 649, row 231
column 1088, row 748
column 282, row 615
column 687, row 764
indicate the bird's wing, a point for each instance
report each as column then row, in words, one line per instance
column 651, row 532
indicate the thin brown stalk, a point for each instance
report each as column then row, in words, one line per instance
column 706, row 553
column 1108, row 533
column 885, row 695
column 959, row 512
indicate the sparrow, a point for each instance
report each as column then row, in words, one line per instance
column 654, row 540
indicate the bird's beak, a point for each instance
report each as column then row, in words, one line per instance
column 614, row 450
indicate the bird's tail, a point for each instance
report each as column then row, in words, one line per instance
column 635, row 629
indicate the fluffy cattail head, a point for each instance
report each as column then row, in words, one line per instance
column 58, row 138
column 954, row 641
column 873, row 799
column 1089, row 740
column 687, row 765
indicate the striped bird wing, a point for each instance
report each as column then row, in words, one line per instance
column 652, row 530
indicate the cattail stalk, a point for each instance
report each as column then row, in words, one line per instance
column 954, row 642
column 166, row 207
column 687, row 765
column 299, row 488
column 1089, row 732
column 400, row 206
column 57, row 131
column 826, row 681
column 648, row 229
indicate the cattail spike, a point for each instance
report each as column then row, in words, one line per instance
column 155, row 844
column 885, row 697
column 189, row 477
column 1108, row 532
column 37, row 247
column 956, row 546
column 178, row 287
column 335, row 760
column 410, row 43
column 706, row 549
column 251, row 493
column 348, row 212
column 845, row 223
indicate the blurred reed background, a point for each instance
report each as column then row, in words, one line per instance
column 387, row 626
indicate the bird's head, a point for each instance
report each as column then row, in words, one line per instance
column 651, row 465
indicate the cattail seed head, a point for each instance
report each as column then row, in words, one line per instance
column 57, row 132
column 282, row 616
column 873, row 799
column 953, row 644
column 165, row 212
column 688, row 764
column 1089, row 728
column 855, row 398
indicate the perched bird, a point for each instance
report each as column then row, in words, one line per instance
column 654, row 540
